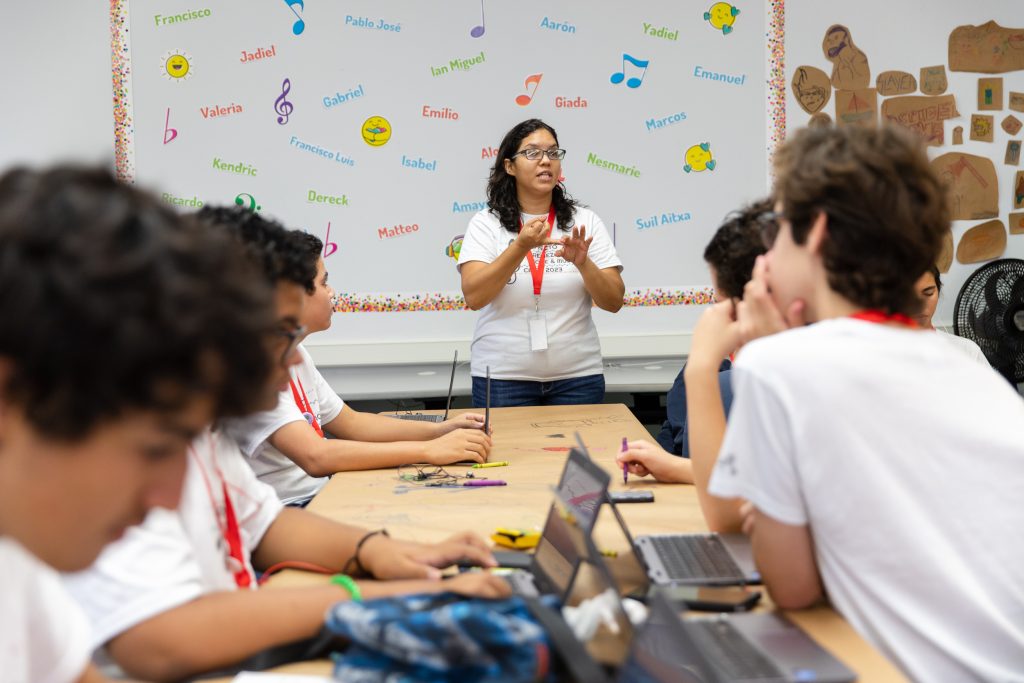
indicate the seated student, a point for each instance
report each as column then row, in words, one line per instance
column 177, row 596
column 928, row 288
column 120, row 321
column 286, row 446
column 730, row 257
column 884, row 467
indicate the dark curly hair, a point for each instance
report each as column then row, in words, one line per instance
column 312, row 247
column 887, row 210
column 501, row 187
column 111, row 302
column 280, row 253
column 735, row 245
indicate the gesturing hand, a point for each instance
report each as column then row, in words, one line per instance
column 535, row 234
column 576, row 247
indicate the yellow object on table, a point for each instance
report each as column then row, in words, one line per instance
column 520, row 539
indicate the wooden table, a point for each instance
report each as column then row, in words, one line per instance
column 536, row 442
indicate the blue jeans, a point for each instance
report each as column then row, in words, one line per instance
column 560, row 392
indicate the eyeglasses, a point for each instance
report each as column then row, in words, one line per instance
column 294, row 337
column 768, row 225
column 533, row 154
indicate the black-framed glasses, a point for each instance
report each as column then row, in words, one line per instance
column 768, row 226
column 294, row 337
column 533, row 154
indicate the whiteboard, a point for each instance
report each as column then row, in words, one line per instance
column 906, row 36
column 277, row 118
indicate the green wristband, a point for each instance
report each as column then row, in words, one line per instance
column 349, row 584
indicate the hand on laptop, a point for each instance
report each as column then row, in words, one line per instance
column 461, row 445
column 387, row 558
column 644, row 457
column 463, row 421
column 469, row 584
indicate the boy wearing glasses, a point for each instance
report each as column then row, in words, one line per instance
column 286, row 445
column 178, row 596
column 884, row 467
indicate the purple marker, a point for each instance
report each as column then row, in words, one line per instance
column 625, row 465
column 484, row 482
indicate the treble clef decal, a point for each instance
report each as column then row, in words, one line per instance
column 282, row 106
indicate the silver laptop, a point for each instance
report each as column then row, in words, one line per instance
column 423, row 417
column 706, row 559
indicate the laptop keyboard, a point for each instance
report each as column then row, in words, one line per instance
column 730, row 653
column 694, row 557
column 522, row 583
column 420, row 417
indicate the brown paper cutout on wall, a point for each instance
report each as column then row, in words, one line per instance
column 988, row 49
column 945, row 259
column 982, row 127
column 958, row 135
column 1012, row 157
column 1018, row 190
column 811, row 88
column 857, row 107
column 990, row 94
column 933, row 80
column 1016, row 102
column 982, row 243
column 850, row 69
column 891, row 83
column 971, row 183
column 820, row 120
column 923, row 115
column 1011, row 124
column 1016, row 224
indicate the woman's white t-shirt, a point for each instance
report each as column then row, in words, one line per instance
column 501, row 339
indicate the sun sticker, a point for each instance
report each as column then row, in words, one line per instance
column 176, row 65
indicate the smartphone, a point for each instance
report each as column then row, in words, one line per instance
column 631, row 496
column 711, row 599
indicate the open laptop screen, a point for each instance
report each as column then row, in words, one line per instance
column 583, row 485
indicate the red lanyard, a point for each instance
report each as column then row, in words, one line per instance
column 304, row 406
column 873, row 316
column 229, row 529
column 537, row 268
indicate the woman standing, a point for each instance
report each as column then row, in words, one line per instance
column 536, row 286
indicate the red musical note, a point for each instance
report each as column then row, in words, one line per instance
column 329, row 246
column 523, row 100
column 167, row 128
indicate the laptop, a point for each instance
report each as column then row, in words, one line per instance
column 422, row 417
column 559, row 550
column 706, row 559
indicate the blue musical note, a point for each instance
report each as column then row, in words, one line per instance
column 282, row 106
column 299, row 26
column 634, row 82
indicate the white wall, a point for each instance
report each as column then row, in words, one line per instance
column 57, row 89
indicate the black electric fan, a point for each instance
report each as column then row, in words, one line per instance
column 990, row 311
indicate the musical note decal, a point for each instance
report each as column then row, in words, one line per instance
column 282, row 106
column 329, row 246
column 248, row 201
column 478, row 31
column 523, row 100
column 634, row 82
column 167, row 128
column 299, row 26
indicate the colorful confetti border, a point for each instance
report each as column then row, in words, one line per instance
column 121, row 70
column 776, row 76
column 399, row 303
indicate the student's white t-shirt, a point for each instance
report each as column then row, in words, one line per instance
column 252, row 433
column 176, row 557
column 44, row 637
column 906, row 461
column 964, row 345
column 502, row 336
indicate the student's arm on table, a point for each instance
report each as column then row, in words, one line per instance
column 322, row 457
column 221, row 629
column 604, row 285
column 714, row 337
column 645, row 458
column 784, row 555
column 358, row 426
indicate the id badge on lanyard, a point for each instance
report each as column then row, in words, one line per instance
column 537, row 321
